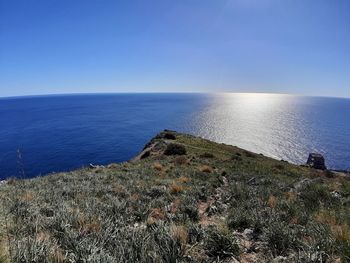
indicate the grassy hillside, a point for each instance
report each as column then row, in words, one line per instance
column 183, row 199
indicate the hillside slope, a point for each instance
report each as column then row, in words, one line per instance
column 183, row 199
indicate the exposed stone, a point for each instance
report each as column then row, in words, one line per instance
column 280, row 259
column 3, row 182
column 306, row 182
column 93, row 166
column 336, row 194
column 316, row 161
column 212, row 210
column 248, row 233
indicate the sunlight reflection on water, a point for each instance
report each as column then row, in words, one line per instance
column 275, row 125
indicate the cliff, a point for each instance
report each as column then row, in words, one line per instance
column 182, row 199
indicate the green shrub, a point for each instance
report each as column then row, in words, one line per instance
column 195, row 233
column 345, row 251
column 240, row 219
column 169, row 248
column 314, row 195
column 207, row 155
column 220, row 245
column 191, row 211
column 175, row 149
column 280, row 237
column 169, row 136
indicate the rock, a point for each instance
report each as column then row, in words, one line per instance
column 316, row 161
column 92, row 166
column 212, row 210
column 140, row 226
column 280, row 259
column 248, row 233
column 306, row 182
column 3, row 182
column 336, row 194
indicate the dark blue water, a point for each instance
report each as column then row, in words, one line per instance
column 40, row 135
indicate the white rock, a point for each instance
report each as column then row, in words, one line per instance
column 248, row 233
column 279, row 259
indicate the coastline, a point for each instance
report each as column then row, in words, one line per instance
column 194, row 200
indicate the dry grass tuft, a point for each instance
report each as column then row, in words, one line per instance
column 57, row 256
column 151, row 222
column 88, row 225
column 43, row 236
column 205, row 169
column 181, row 160
column 180, row 233
column 27, row 196
column 341, row 232
column 119, row 190
column 184, row 179
column 157, row 213
column 158, row 167
column 4, row 252
column 176, row 189
column 291, row 196
column 174, row 207
column 135, row 197
column 272, row 202
column 326, row 217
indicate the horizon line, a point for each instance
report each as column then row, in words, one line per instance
column 163, row 92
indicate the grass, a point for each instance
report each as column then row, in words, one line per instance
column 192, row 204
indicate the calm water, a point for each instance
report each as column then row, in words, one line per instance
column 39, row 135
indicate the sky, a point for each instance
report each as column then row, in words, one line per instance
column 88, row 46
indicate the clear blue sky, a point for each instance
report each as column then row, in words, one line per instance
column 73, row 46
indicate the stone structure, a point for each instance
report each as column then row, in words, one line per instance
column 316, row 161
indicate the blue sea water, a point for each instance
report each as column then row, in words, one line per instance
column 44, row 134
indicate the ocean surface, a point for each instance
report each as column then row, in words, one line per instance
column 45, row 134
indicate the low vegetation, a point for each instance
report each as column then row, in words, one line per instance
column 183, row 199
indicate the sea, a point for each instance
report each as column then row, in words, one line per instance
column 46, row 134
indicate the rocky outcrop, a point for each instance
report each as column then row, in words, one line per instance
column 316, row 161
